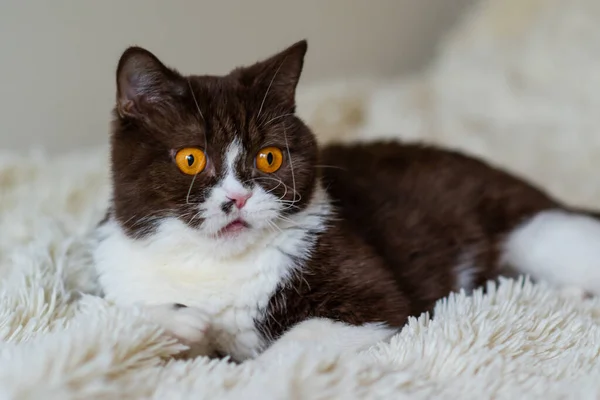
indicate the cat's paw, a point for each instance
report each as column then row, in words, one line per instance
column 187, row 324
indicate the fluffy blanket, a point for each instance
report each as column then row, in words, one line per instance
column 516, row 83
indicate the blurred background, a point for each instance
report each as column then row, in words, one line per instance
column 58, row 57
column 516, row 82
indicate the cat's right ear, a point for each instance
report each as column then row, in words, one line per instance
column 143, row 81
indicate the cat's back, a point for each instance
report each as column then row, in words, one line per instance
column 435, row 216
column 386, row 181
column 387, row 172
column 406, row 199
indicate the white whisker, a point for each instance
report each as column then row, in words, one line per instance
column 187, row 198
column 199, row 112
column 269, row 87
column 196, row 215
column 291, row 164
column 276, row 118
column 288, row 220
column 279, row 182
column 274, row 225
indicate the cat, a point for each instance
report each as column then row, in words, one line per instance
column 236, row 232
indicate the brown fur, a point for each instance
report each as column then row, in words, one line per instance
column 406, row 214
column 157, row 115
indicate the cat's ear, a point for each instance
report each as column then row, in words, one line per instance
column 277, row 76
column 144, row 81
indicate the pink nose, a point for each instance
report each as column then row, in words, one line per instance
column 240, row 199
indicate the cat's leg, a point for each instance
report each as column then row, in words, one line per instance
column 559, row 247
column 331, row 335
column 189, row 325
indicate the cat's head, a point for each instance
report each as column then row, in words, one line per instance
column 225, row 155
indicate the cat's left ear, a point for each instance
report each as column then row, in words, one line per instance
column 276, row 77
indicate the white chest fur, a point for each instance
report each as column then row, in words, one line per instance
column 177, row 265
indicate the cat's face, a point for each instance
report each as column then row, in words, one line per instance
column 224, row 155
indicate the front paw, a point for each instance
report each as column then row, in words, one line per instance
column 187, row 324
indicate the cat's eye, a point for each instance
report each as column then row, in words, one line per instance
column 269, row 159
column 190, row 160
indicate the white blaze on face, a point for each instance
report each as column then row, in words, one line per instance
column 231, row 184
column 260, row 210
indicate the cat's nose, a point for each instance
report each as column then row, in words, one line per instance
column 239, row 199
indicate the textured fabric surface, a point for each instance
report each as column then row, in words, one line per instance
column 517, row 83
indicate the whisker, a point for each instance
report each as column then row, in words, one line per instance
column 160, row 214
column 291, row 164
column 269, row 87
column 195, row 100
column 274, row 225
column 275, row 118
column 270, row 227
column 297, row 196
column 199, row 112
column 286, row 201
column 262, row 177
column 196, row 215
column 279, row 182
column 290, row 207
column 187, row 198
column 288, row 220
column 305, row 280
column 284, row 193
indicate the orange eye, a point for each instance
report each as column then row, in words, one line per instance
column 190, row 160
column 269, row 159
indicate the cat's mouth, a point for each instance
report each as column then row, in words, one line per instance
column 234, row 227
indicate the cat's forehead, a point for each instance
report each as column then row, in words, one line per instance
column 216, row 111
column 228, row 112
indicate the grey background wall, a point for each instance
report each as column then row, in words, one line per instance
column 58, row 57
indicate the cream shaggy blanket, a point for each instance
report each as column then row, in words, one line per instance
column 517, row 83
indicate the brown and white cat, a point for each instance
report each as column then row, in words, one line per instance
column 235, row 231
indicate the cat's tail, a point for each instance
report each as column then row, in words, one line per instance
column 560, row 246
